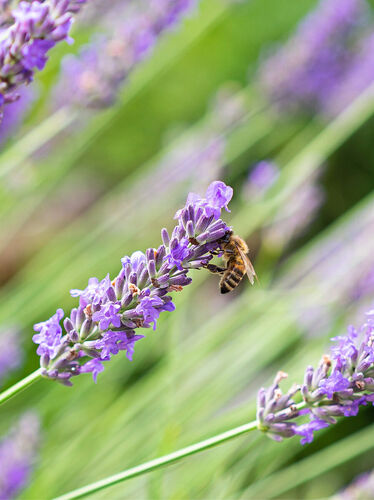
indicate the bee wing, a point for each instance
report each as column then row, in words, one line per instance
column 250, row 270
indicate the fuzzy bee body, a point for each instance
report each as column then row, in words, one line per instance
column 232, row 276
column 237, row 263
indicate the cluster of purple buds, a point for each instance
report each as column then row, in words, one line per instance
column 342, row 383
column 18, row 452
column 304, row 72
column 37, row 27
column 110, row 312
column 94, row 76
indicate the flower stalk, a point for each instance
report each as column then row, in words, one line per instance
column 160, row 462
column 20, row 386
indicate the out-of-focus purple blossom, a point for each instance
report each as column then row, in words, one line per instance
column 296, row 215
column 305, row 71
column 261, row 177
column 6, row 17
column 110, row 312
column 358, row 76
column 338, row 387
column 36, row 28
column 362, row 488
column 14, row 114
column 18, row 452
column 94, row 77
column 10, row 352
column 321, row 284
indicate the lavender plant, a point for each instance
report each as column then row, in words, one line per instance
column 342, row 382
column 15, row 113
column 358, row 76
column 110, row 312
column 260, row 178
column 362, row 488
column 305, row 71
column 37, row 27
column 94, row 76
column 18, row 453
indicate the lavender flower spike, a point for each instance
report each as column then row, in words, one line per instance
column 94, row 77
column 110, row 312
column 342, row 383
column 10, row 352
column 17, row 456
column 37, row 27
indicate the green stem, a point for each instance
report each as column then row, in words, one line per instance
column 159, row 462
column 20, row 386
column 40, row 135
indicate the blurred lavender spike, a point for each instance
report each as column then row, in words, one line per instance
column 5, row 13
column 334, row 276
column 10, row 352
column 342, row 383
column 304, row 72
column 358, row 77
column 14, row 114
column 94, row 77
column 111, row 311
column 260, row 178
column 362, row 488
column 36, row 28
column 18, row 452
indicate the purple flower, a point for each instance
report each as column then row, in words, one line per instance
column 149, row 309
column 110, row 311
column 136, row 260
column 108, row 315
column 14, row 114
column 335, row 383
column 306, row 430
column 261, row 177
column 93, row 366
column 305, row 72
column 94, row 77
column 358, row 76
column 18, row 453
column 218, row 196
column 36, row 28
column 179, row 251
column 337, row 388
column 114, row 341
column 50, row 334
column 93, row 293
column 360, row 489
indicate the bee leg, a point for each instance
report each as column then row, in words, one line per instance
column 215, row 269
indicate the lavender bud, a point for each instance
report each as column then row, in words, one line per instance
column 165, row 237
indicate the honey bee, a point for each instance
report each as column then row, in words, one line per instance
column 235, row 252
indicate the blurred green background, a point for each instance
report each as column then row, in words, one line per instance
column 71, row 208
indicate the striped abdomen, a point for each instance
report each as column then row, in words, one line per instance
column 232, row 276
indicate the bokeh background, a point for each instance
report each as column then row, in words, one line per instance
column 275, row 98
